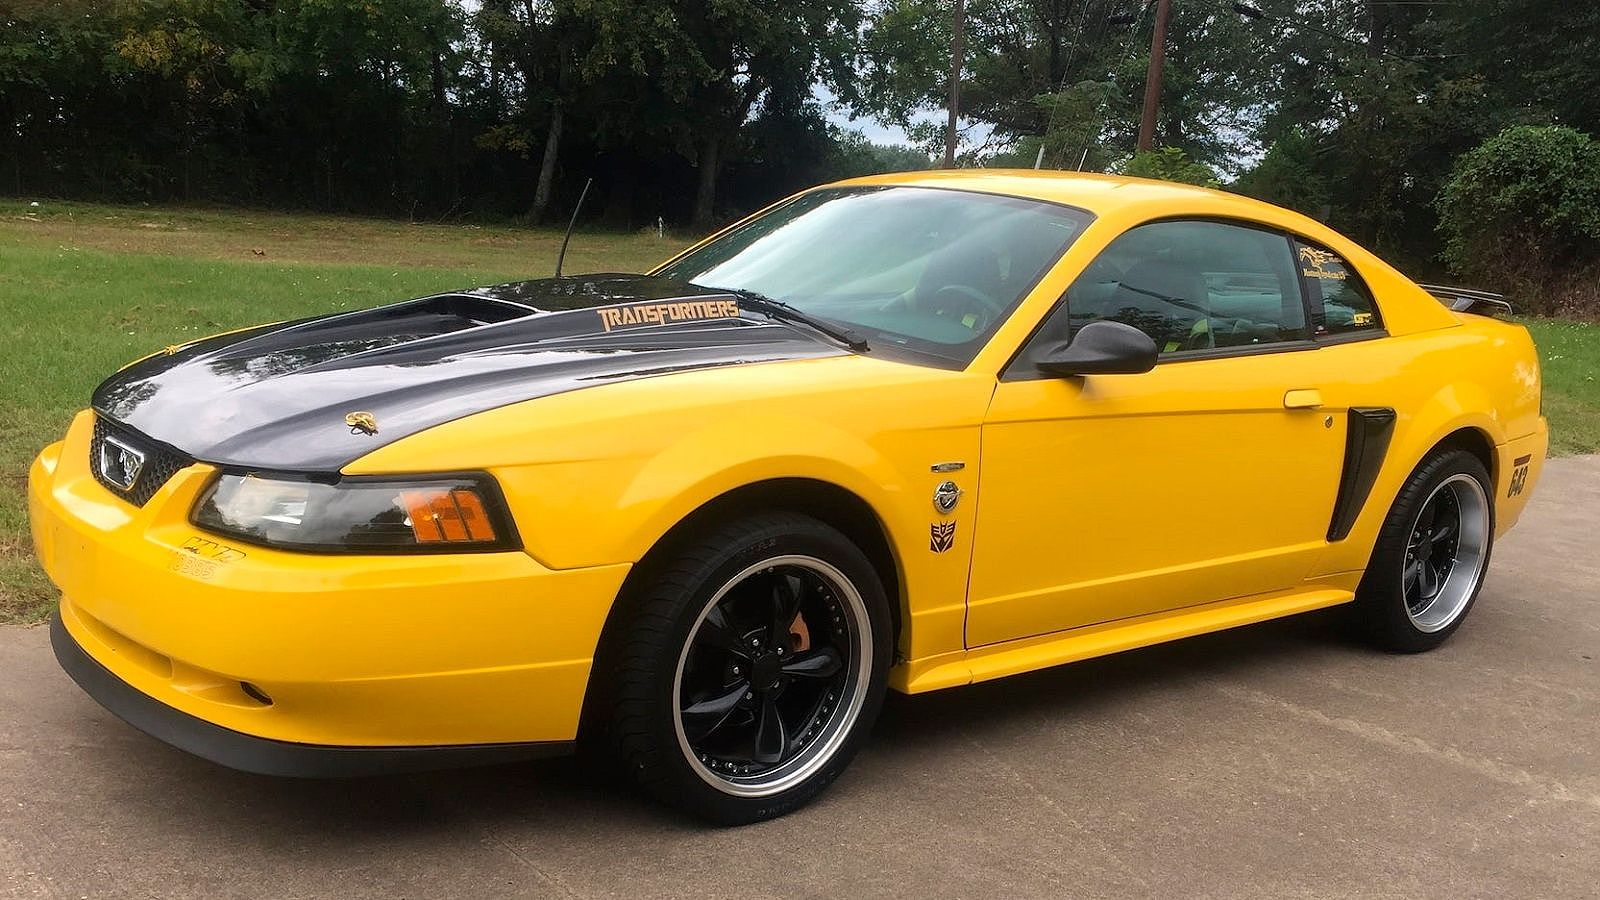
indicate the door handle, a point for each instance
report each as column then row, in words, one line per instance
column 1302, row 398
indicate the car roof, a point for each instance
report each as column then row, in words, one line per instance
column 1103, row 195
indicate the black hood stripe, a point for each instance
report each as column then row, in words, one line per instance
column 276, row 397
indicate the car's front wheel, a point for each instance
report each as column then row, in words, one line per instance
column 1431, row 554
column 748, row 667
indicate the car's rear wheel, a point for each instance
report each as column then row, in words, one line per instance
column 749, row 667
column 1431, row 555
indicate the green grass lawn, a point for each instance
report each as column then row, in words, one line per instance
column 1569, row 357
column 84, row 289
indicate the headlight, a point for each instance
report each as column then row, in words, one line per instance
column 453, row 514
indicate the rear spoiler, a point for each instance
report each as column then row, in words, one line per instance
column 1464, row 300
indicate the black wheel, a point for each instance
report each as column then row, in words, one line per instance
column 1432, row 552
column 748, row 668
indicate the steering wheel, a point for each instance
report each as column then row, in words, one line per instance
column 959, row 301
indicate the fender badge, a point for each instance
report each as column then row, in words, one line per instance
column 361, row 423
column 946, row 496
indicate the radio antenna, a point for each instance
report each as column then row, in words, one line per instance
column 562, row 256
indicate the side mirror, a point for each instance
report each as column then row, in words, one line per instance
column 1102, row 348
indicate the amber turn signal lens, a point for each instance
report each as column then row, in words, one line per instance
column 451, row 516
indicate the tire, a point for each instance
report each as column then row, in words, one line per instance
column 712, row 616
column 1421, row 581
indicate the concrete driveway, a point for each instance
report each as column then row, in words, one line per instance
column 1281, row 760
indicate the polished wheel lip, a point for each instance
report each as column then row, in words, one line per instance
column 846, row 711
column 1469, row 555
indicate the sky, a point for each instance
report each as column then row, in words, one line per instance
column 876, row 131
column 879, row 133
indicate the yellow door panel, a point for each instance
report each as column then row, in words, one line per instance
column 1122, row 495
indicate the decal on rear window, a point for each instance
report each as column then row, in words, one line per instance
column 1315, row 264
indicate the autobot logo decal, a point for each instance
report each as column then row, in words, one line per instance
column 1314, row 263
column 941, row 536
column 671, row 311
column 1519, row 475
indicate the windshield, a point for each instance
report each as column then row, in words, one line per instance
column 929, row 271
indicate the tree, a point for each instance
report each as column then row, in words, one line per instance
column 1289, row 174
column 695, row 111
column 1069, row 75
column 1535, row 58
column 1367, row 109
column 755, row 49
column 1016, row 52
column 1077, row 126
column 853, row 155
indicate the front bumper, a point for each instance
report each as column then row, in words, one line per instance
column 267, row 648
column 265, row 756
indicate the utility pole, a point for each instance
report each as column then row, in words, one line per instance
column 1152, row 81
column 958, row 33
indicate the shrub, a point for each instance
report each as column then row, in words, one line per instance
column 1522, row 212
column 1170, row 164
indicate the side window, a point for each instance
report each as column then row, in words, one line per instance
column 1193, row 286
column 1340, row 300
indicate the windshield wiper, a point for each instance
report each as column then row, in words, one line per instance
column 777, row 309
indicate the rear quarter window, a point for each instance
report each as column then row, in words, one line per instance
column 1341, row 303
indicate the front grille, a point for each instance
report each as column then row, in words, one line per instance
column 160, row 464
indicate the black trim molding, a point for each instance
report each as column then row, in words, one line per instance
column 1350, row 337
column 264, row 756
column 1366, row 441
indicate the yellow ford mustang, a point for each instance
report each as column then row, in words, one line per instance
column 912, row 431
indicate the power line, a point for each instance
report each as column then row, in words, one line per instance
column 1080, row 36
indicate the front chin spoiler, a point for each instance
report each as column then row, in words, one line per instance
column 265, row 756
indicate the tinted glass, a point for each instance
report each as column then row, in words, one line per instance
column 1194, row 286
column 1340, row 301
column 929, row 271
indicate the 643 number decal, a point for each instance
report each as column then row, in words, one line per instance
column 1519, row 475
